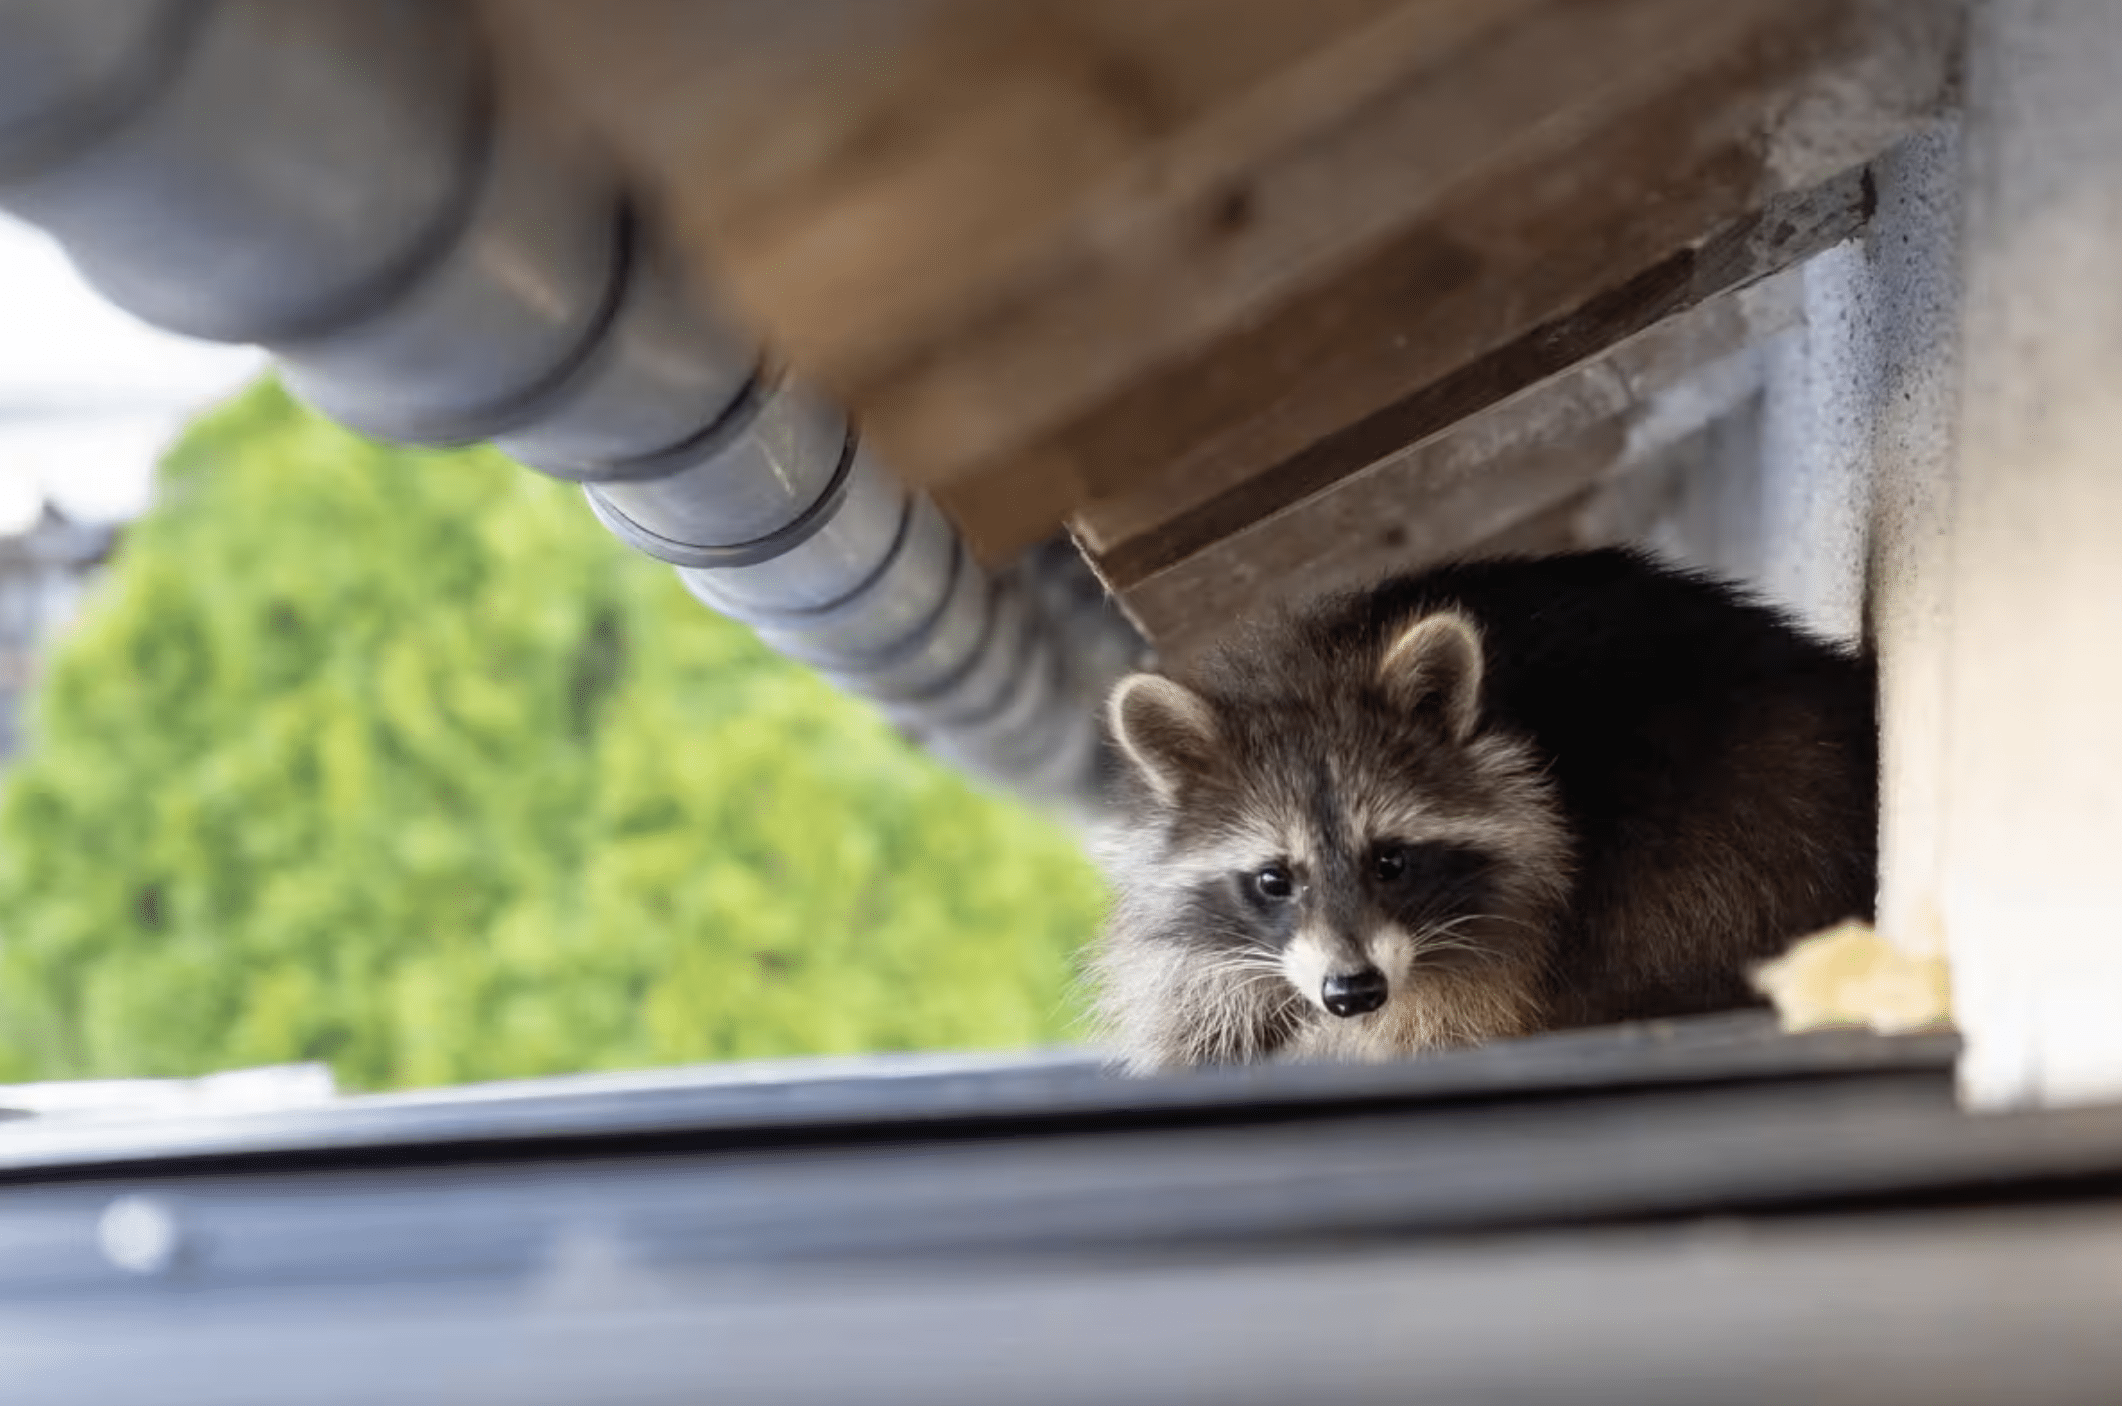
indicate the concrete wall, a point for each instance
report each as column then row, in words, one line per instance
column 1856, row 462
column 2029, row 881
column 1819, row 488
column 1934, row 461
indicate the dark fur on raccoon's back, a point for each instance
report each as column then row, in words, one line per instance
column 1500, row 797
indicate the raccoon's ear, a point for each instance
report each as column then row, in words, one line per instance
column 1436, row 663
column 1164, row 729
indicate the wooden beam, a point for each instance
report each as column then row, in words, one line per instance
column 870, row 177
column 1056, row 252
column 1178, row 515
column 1573, row 160
column 1506, row 477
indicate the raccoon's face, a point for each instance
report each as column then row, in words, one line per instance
column 1348, row 865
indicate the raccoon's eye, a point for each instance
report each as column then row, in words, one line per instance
column 1274, row 882
column 1389, row 863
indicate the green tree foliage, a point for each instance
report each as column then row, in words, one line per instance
column 393, row 759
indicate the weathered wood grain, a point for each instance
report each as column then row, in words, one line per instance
column 1510, row 477
column 867, row 177
column 1053, row 254
column 1131, row 539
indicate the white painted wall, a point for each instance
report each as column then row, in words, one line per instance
column 2029, row 881
column 1934, row 461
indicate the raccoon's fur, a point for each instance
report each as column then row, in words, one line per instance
column 1527, row 794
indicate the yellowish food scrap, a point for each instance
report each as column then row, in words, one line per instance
column 1850, row 976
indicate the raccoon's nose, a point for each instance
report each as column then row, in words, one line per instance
column 1354, row 993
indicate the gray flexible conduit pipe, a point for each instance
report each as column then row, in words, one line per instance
column 349, row 184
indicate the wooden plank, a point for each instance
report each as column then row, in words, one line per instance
column 1214, row 492
column 1559, row 161
column 1506, row 478
column 1048, row 252
column 865, row 175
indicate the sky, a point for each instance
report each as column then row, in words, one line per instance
column 89, row 396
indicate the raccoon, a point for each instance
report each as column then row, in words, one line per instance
column 1496, row 798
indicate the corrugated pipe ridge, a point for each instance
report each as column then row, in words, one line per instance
column 346, row 183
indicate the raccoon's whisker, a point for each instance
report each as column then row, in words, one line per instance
column 1231, row 1027
column 1436, row 949
column 1241, row 966
column 1234, row 1004
column 1450, row 930
column 1239, row 945
column 1243, row 973
column 1246, row 981
column 1260, row 959
column 1478, row 954
column 1503, row 918
column 1446, row 937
